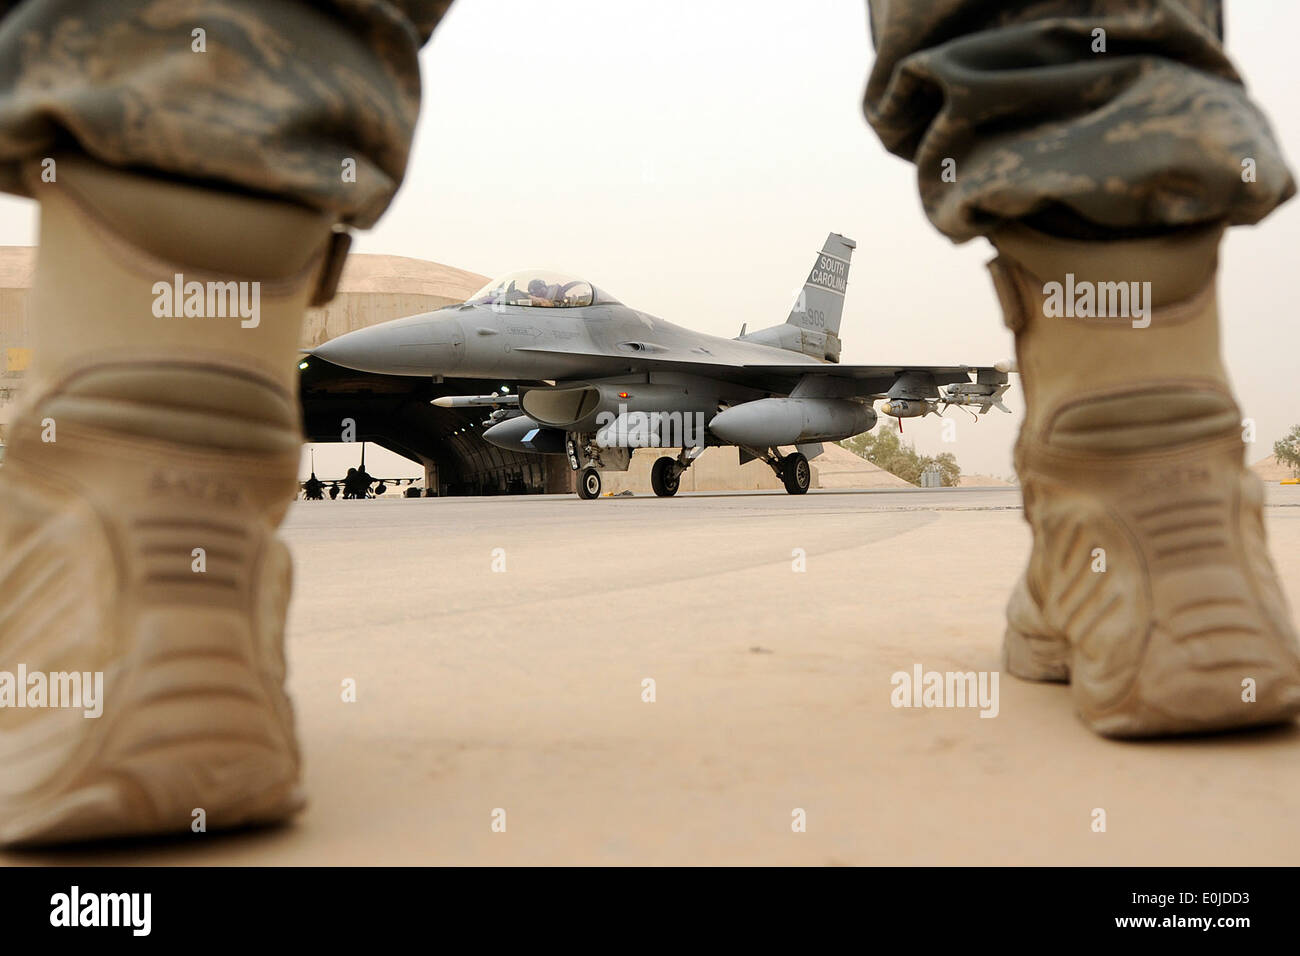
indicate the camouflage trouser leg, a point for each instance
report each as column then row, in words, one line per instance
column 1085, row 118
column 310, row 102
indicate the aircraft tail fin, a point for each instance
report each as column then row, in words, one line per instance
column 821, row 300
column 813, row 326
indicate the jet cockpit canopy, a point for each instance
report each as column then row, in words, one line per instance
column 541, row 288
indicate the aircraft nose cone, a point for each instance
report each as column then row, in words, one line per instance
column 362, row 350
column 426, row 344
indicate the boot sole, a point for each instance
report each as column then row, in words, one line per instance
column 194, row 717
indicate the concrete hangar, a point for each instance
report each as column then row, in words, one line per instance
column 395, row 411
column 391, row 411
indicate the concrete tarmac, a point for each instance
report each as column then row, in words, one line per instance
column 499, row 648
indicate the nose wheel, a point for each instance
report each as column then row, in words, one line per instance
column 589, row 484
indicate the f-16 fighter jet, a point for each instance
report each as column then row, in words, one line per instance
column 624, row 379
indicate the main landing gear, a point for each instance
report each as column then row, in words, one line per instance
column 796, row 473
column 793, row 469
column 666, row 475
column 665, row 479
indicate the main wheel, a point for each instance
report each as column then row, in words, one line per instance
column 796, row 473
column 664, row 477
column 589, row 483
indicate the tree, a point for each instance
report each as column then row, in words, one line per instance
column 887, row 450
column 948, row 467
column 1287, row 451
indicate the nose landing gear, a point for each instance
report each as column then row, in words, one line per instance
column 589, row 484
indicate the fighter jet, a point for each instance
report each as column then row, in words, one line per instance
column 615, row 378
column 356, row 484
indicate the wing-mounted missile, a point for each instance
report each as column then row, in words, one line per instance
column 974, row 395
column 913, row 395
column 984, row 393
column 504, row 405
column 910, row 407
column 495, row 400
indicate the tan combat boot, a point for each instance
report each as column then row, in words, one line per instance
column 155, row 453
column 1149, row 587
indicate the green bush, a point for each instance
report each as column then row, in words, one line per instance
column 887, row 450
column 1287, row 451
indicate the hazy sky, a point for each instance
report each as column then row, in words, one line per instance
column 690, row 157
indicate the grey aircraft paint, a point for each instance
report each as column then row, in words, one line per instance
column 625, row 379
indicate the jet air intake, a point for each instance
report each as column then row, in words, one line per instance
column 561, row 407
column 586, row 408
column 769, row 422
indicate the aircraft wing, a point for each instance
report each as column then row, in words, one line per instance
column 812, row 379
column 373, row 480
column 875, row 381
